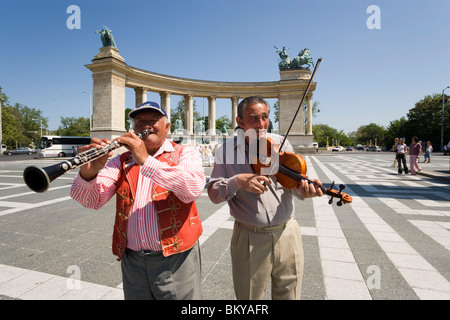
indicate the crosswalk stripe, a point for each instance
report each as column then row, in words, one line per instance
column 342, row 277
column 26, row 284
column 422, row 277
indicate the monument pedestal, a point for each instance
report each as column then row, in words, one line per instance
column 108, row 52
column 304, row 150
column 109, row 76
column 302, row 144
column 300, row 138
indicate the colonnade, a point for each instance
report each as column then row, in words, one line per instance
column 165, row 103
column 111, row 75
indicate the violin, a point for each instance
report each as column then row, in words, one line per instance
column 291, row 169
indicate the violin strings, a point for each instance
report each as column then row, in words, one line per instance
column 293, row 174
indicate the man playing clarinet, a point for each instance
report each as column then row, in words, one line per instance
column 157, row 225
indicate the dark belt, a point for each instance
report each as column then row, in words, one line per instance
column 263, row 229
column 143, row 253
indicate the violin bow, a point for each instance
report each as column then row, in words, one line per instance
column 295, row 115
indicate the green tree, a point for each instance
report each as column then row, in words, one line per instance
column 276, row 111
column 323, row 133
column 223, row 119
column 12, row 137
column 4, row 98
column 424, row 120
column 72, row 126
column 21, row 125
column 395, row 129
column 370, row 134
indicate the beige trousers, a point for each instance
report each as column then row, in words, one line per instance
column 258, row 254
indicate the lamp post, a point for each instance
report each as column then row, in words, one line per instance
column 90, row 108
column 442, row 124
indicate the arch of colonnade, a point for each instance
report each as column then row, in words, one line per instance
column 111, row 75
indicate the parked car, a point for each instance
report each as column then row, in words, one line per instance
column 21, row 150
column 338, row 148
column 348, row 148
column 374, row 149
column 359, row 147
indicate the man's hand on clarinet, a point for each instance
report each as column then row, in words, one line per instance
column 90, row 170
column 137, row 146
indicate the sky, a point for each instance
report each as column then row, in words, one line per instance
column 368, row 75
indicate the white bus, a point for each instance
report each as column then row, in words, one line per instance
column 60, row 146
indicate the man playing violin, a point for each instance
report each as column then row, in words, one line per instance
column 266, row 241
column 157, row 225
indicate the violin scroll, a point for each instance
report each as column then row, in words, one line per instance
column 343, row 197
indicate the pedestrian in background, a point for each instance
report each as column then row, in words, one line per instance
column 394, row 148
column 428, row 151
column 401, row 151
column 414, row 151
column 446, row 150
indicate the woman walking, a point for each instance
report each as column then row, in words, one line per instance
column 414, row 150
column 401, row 151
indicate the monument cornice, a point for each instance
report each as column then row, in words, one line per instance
column 204, row 88
column 139, row 78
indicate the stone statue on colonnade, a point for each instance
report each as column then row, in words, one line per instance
column 107, row 37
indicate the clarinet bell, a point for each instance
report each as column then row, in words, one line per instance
column 38, row 179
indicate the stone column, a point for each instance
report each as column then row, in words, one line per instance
column 309, row 116
column 108, row 94
column 141, row 95
column 212, row 115
column 165, row 102
column 289, row 102
column 234, row 105
column 288, row 106
column 189, row 113
column 301, row 119
column 108, row 116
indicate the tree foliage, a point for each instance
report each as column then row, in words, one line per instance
column 21, row 125
column 425, row 119
column 371, row 134
column 324, row 134
column 72, row 126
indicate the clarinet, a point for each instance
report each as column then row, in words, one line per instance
column 38, row 179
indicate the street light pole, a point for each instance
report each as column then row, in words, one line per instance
column 442, row 123
column 90, row 108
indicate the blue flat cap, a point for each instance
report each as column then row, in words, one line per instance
column 149, row 105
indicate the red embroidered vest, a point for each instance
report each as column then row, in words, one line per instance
column 179, row 222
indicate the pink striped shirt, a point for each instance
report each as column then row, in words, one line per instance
column 186, row 180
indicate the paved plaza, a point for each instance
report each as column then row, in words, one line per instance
column 392, row 242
